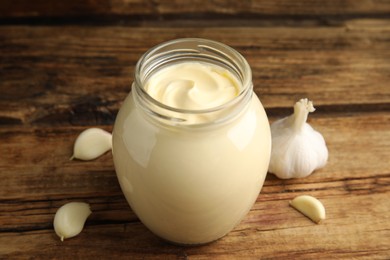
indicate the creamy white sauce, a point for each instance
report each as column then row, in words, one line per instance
column 191, row 187
column 193, row 86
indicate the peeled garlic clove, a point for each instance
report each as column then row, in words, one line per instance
column 92, row 143
column 70, row 218
column 310, row 207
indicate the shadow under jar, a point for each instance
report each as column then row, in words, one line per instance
column 191, row 175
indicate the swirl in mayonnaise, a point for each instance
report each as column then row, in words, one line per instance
column 193, row 86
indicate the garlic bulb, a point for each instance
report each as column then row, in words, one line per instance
column 297, row 149
column 92, row 143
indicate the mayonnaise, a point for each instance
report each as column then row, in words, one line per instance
column 191, row 183
column 191, row 187
column 193, row 86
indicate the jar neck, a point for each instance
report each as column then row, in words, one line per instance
column 192, row 50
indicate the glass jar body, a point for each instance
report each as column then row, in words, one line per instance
column 191, row 185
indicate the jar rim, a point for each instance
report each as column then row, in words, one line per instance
column 202, row 45
column 210, row 51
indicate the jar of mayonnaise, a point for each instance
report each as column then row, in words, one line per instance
column 191, row 142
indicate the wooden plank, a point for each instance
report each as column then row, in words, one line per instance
column 357, row 227
column 48, row 149
column 162, row 8
column 37, row 176
column 80, row 75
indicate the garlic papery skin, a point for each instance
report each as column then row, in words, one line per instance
column 91, row 144
column 297, row 149
column 70, row 219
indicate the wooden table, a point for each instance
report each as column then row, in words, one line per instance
column 67, row 65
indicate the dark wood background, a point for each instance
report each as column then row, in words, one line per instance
column 67, row 65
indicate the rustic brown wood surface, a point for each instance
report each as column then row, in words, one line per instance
column 68, row 65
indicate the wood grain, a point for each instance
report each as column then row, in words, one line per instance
column 80, row 75
column 193, row 8
column 348, row 175
column 263, row 235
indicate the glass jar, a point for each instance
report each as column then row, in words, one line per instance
column 191, row 182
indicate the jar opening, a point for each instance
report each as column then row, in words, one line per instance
column 192, row 50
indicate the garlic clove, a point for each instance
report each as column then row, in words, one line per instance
column 91, row 144
column 69, row 219
column 310, row 207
